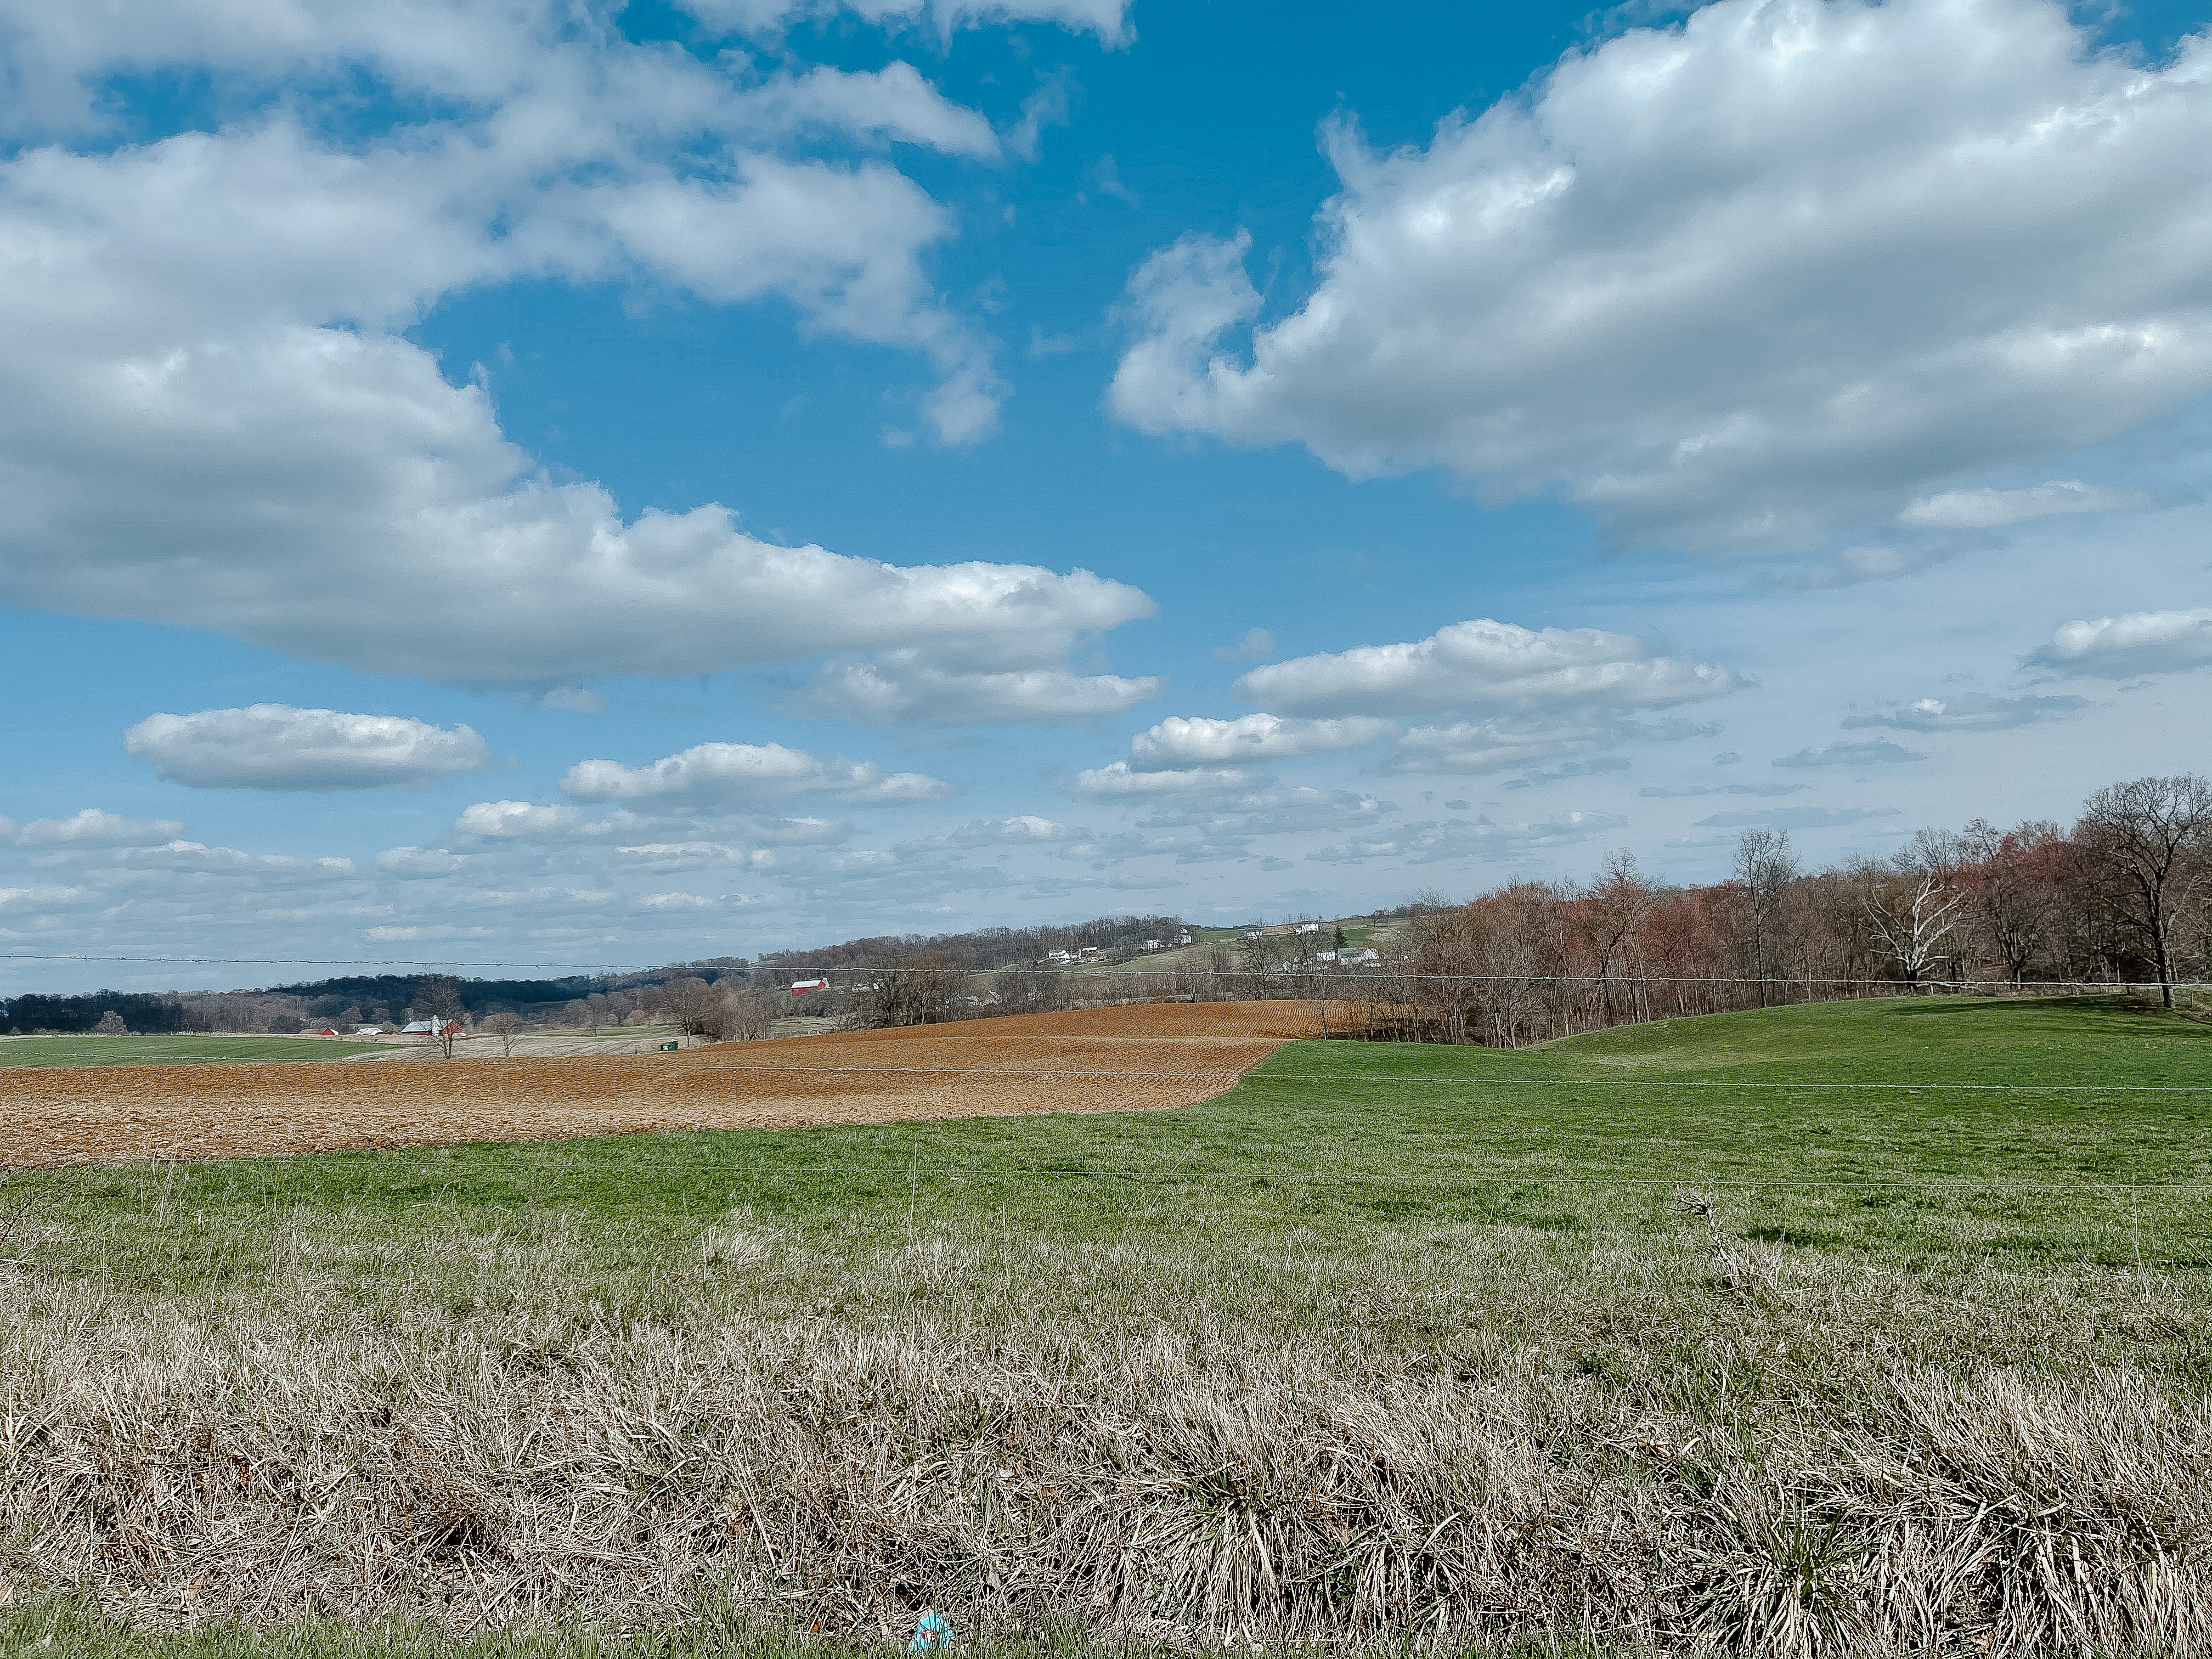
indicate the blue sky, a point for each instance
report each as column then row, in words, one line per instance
column 569, row 483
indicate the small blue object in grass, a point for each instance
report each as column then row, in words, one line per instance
column 933, row 1633
column 669, row 1048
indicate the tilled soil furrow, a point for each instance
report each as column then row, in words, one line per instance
column 1098, row 1060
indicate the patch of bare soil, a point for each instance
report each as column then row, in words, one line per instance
column 1097, row 1061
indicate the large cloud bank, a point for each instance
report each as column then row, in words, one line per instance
column 208, row 414
column 1741, row 283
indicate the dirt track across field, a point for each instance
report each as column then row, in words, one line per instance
column 1101, row 1059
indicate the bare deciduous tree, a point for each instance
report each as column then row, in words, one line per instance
column 1032, row 991
column 1446, row 961
column 1256, row 959
column 438, row 996
column 916, row 990
column 1765, row 865
column 2150, row 841
column 741, row 1014
column 1610, row 914
column 505, row 1027
column 2013, row 879
column 1913, row 911
column 692, row 1004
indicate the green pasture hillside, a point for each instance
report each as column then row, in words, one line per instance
column 2040, row 1131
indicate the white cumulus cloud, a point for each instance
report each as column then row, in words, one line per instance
column 1970, row 711
column 1504, row 741
column 1486, row 664
column 1107, row 19
column 1987, row 509
column 668, row 858
column 273, row 745
column 91, row 828
column 735, row 776
column 519, row 820
column 1026, row 830
column 2121, row 647
column 903, row 685
column 1120, row 778
column 1737, row 282
column 1186, row 740
column 1268, row 812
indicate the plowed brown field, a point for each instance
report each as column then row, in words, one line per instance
column 1102, row 1059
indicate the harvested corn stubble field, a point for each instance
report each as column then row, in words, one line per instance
column 1099, row 1059
column 1860, row 1327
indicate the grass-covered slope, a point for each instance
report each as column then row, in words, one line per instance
column 2069, row 1097
column 1939, row 1039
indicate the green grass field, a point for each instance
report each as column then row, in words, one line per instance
column 1793, row 1234
column 171, row 1050
column 2039, row 1155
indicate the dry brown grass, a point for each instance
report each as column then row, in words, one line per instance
column 1099, row 1059
column 1071, row 1436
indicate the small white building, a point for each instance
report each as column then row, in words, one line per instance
column 1307, row 927
column 1152, row 944
column 1183, row 939
column 419, row 1027
column 368, row 1031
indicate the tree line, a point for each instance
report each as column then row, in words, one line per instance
column 385, row 999
column 2123, row 896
